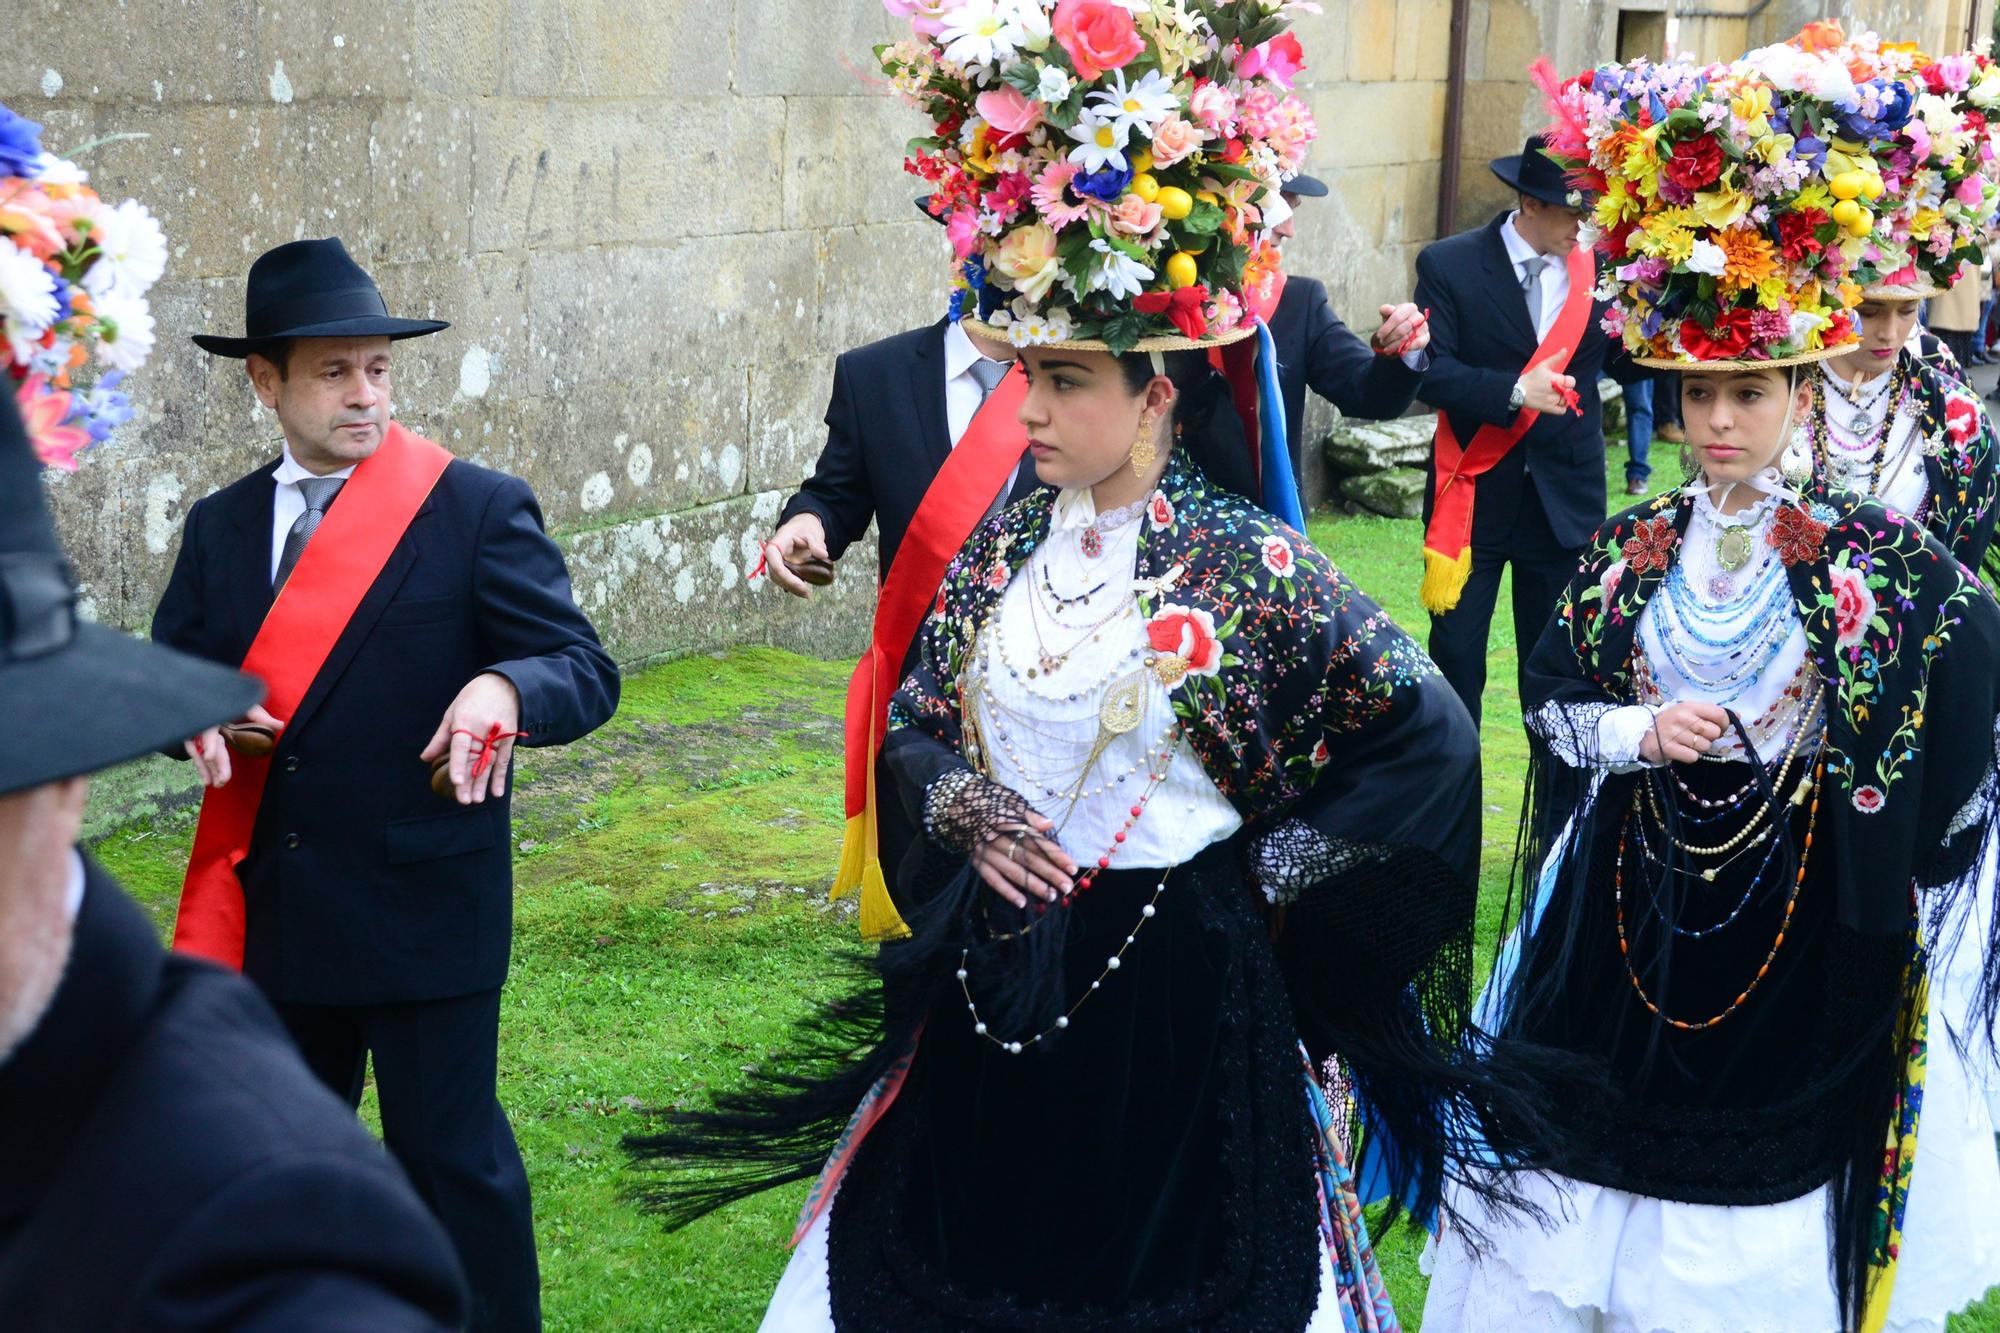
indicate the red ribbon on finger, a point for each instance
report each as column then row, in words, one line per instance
column 1403, row 347
column 494, row 735
column 1570, row 399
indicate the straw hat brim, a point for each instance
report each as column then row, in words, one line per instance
column 1739, row 363
column 1902, row 291
column 1158, row 343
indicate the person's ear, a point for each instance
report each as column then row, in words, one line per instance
column 263, row 373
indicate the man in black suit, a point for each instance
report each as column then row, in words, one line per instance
column 377, row 917
column 1493, row 294
column 167, row 1163
column 1373, row 380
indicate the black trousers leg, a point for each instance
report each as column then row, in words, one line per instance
column 1542, row 569
column 1458, row 637
column 435, row 1072
column 334, row 1044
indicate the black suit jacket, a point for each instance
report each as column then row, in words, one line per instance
column 1317, row 351
column 887, row 434
column 361, row 886
column 167, row 1163
column 1481, row 342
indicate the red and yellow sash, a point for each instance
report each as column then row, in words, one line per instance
column 1448, row 538
column 951, row 509
column 352, row 545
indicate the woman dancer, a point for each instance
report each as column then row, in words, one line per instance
column 1761, row 873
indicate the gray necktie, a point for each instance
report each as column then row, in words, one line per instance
column 319, row 493
column 989, row 373
column 1531, row 273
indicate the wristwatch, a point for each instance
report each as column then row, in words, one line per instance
column 1519, row 398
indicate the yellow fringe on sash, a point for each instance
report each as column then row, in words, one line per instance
column 1899, row 1161
column 861, row 868
column 1445, row 578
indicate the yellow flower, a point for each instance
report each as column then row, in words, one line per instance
column 1772, row 292
column 979, row 153
column 1615, row 205
column 1772, row 149
column 1923, row 221
column 1814, row 195
column 1751, row 106
column 1721, row 208
column 1666, row 235
column 1850, row 293
column 1641, row 160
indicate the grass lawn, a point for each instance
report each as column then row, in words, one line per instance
column 672, row 919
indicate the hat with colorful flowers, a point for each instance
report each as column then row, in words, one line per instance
column 1915, row 133
column 1726, row 241
column 1109, row 165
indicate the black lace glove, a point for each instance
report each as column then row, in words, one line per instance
column 1000, row 833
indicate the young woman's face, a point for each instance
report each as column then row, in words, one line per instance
column 1885, row 326
column 1737, row 420
column 1081, row 416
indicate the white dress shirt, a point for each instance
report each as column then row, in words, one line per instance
column 962, row 394
column 1551, row 288
column 1037, row 735
column 290, row 502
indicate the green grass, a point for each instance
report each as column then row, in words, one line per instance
column 671, row 921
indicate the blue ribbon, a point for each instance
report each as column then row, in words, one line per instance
column 1281, row 488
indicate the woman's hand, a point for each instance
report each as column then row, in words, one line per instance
column 1682, row 733
column 1025, row 862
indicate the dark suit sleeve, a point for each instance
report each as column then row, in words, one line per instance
column 310, row 1243
column 1343, row 369
column 838, row 489
column 177, row 621
column 530, row 624
column 1469, row 391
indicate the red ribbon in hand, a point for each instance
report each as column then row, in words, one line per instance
column 1403, row 347
column 1570, row 399
column 494, row 735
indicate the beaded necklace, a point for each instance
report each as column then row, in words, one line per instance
column 1826, row 446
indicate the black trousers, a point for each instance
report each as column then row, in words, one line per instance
column 1542, row 569
column 435, row 1073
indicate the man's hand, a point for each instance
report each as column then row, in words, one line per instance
column 489, row 699
column 211, row 753
column 1404, row 329
column 1683, row 733
column 1544, row 387
column 804, row 535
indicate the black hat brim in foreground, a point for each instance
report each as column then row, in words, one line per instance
column 367, row 326
column 1508, row 169
column 106, row 698
column 1305, row 187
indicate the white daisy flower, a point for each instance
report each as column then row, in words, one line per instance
column 133, row 250
column 27, row 291
column 1115, row 271
column 128, row 336
column 1136, row 106
column 1100, row 142
column 980, row 32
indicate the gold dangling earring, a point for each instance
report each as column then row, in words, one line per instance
column 1144, row 452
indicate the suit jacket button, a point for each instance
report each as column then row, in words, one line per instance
column 291, row 840
column 291, row 763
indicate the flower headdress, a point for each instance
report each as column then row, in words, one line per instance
column 1715, row 202
column 1107, row 165
column 1914, row 131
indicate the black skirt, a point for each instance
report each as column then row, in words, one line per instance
column 1150, row 1167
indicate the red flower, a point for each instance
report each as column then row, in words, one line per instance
column 997, row 575
column 1232, row 152
column 1869, row 799
column 1695, row 164
column 1723, row 340
column 1853, row 606
column 1278, row 557
column 1796, row 535
column 1160, row 511
column 1961, row 418
column 1183, row 308
column 1186, row 634
column 1796, row 240
column 1651, row 545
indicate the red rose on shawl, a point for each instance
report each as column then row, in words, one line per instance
column 1160, row 511
column 1185, row 634
column 1795, row 534
column 1183, row 308
column 1853, row 606
column 1097, row 34
column 1869, row 799
column 1651, row 545
column 1723, row 340
column 1278, row 557
column 1961, row 418
column 1796, row 240
column 1695, row 164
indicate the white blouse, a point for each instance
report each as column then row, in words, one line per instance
column 1854, row 411
column 1721, row 636
column 1039, row 728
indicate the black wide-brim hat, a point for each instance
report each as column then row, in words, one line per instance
column 1533, row 173
column 1305, row 187
column 77, row 697
column 312, row 289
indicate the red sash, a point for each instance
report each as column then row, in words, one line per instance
column 951, row 509
column 336, row 570
column 1448, row 539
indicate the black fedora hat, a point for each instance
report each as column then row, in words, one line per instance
column 312, row 289
column 1531, row 172
column 77, row 697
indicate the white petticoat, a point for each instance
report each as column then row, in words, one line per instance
column 803, row 1303
column 1613, row 1262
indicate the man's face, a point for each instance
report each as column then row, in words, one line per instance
column 1284, row 230
column 332, row 397
column 1550, row 228
column 37, row 829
